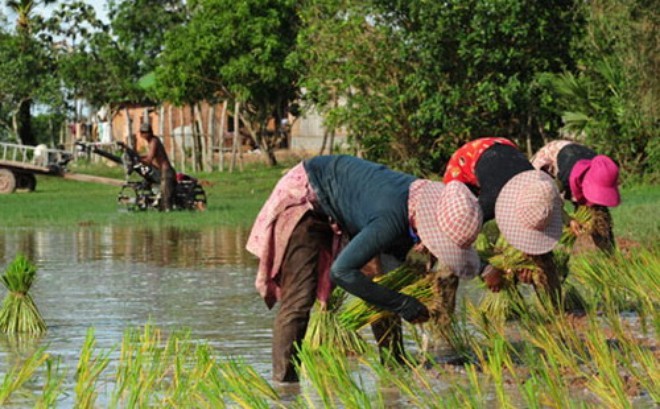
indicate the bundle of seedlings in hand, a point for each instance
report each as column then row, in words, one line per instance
column 325, row 329
column 547, row 272
column 19, row 314
column 406, row 279
column 581, row 221
column 511, row 261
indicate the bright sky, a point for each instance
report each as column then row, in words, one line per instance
column 99, row 5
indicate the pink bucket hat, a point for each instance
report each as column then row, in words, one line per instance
column 597, row 180
column 528, row 212
column 448, row 219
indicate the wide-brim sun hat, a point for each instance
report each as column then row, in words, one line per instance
column 448, row 220
column 528, row 212
column 601, row 182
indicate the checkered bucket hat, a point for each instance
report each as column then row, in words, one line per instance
column 528, row 212
column 448, row 220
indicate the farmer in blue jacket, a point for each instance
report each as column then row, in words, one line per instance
column 297, row 237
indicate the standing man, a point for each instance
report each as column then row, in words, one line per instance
column 157, row 157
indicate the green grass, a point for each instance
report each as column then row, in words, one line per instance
column 637, row 218
column 233, row 199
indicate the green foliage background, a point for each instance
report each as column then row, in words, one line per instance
column 409, row 81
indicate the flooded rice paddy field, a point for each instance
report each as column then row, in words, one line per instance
column 114, row 278
column 117, row 277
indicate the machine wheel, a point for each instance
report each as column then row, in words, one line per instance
column 129, row 199
column 7, row 181
column 26, row 181
column 199, row 198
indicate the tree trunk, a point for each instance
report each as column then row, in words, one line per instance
column 325, row 140
column 111, row 115
column 200, row 139
column 182, row 132
column 234, row 145
column 221, row 144
column 161, row 122
column 211, row 140
column 264, row 144
column 14, row 125
column 197, row 151
column 331, row 148
column 170, row 121
column 25, row 134
column 130, row 140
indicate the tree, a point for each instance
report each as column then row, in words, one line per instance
column 235, row 50
column 30, row 60
column 612, row 99
column 140, row 26
column 431, row 75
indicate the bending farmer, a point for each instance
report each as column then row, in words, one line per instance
column 381, row 211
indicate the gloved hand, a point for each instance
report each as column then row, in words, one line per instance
column 414, row 311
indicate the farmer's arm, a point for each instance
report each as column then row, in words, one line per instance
column 346, row 273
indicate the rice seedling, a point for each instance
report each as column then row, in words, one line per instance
column 496, row 360
column 356, row 313
column 148, row 364
column 90, row 368
column 415, row 384
column 580, row 222
column 606, row 381
column 623, row 282
column 19, row 313
column 21, row 373
column 245, row 386
column 330, row 373
column 53, row 385
column 325, row 328
column 645, row 369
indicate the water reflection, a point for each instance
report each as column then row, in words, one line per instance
column 111, row 278
column 168, row 246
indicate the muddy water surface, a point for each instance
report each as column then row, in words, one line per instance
column 112, row 278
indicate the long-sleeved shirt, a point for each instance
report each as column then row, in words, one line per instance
column 369, row 202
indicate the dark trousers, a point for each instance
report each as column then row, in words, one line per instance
column 167, row 187
column 298, row 280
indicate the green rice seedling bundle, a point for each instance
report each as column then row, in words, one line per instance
column 325, row 329
column 357, row 313
column 583, row 217
column 512, row 261
column 19, row 313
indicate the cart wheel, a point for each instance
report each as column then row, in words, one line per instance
column 26, row 181
column 7, row 181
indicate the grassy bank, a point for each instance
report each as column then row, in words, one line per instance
column 233, row 199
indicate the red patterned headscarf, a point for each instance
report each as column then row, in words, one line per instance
column 462, row 163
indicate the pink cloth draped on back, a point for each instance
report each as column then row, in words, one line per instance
column 287, row 204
